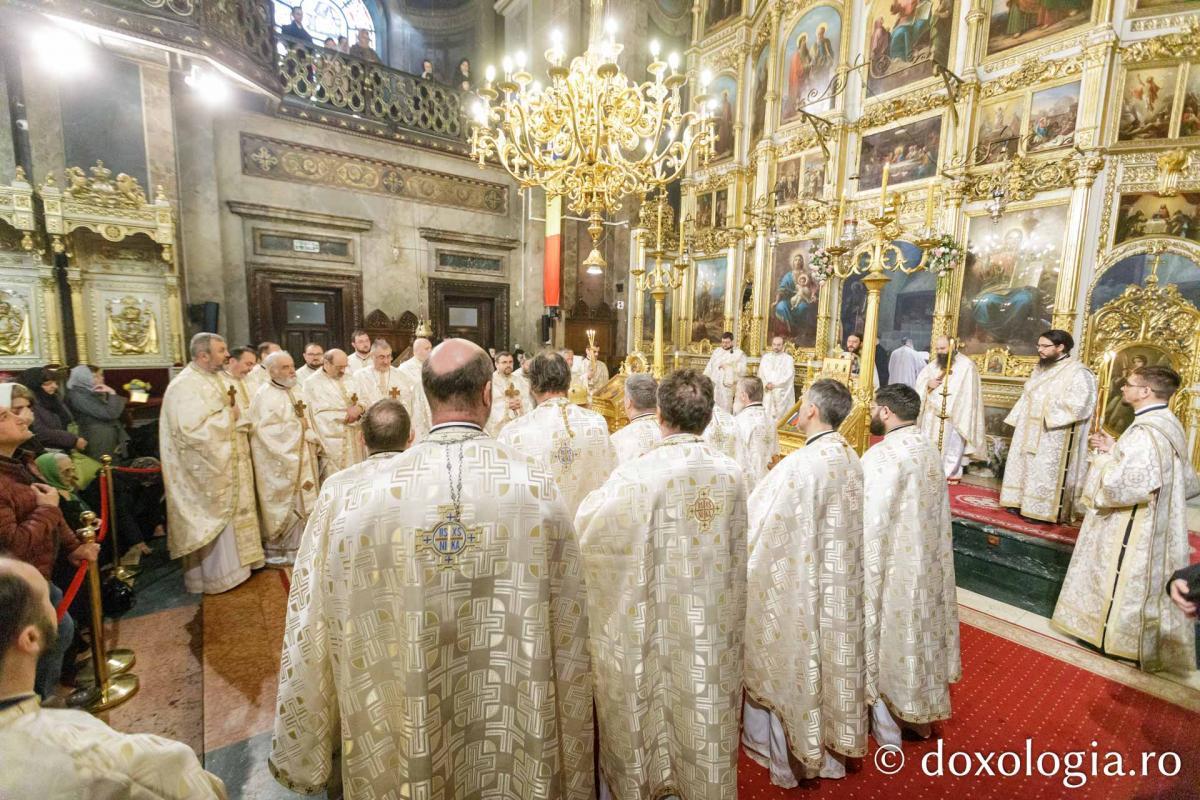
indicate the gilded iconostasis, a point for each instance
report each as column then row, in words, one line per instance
column 1056, row 142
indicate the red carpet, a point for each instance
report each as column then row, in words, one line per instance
column 982, row 504
column 1009, row 694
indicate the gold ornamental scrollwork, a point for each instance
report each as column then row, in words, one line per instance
column 701, row 348
column 798, row 219
column 101, row 190
column 714, row 240
column 1033, row 70
column 1178, row 46
column 132, row 327
column 1021, row 178
column 15, row 336
column 902, row 108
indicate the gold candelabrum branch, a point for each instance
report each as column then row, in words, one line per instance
column 665, row 276
column 591, row 134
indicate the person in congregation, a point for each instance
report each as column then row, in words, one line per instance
column 963, row 435
column 664, row 551
column 33, row 530
column 212, row 518
column 1134, row 533
column 51, row 419
column 50, row 753
column 314, row 357
column 411, row 370
column 911, row 600
column 286, row 467
column 380, row 670
column 510, row 395
column 362, row 47
column 98, row 411
column 335, row 410
column 905, row 364
column 777, row 369
column 641, row 409
column 726, row 364
column 757, row 442
column 806, row 668
column 569, row 441
column 295, row 28
column 1047, row 458
column 360, row 356
column 722, row 433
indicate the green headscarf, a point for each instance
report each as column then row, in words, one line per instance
column 47, row 464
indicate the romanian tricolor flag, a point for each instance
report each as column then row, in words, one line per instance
column 552, row 263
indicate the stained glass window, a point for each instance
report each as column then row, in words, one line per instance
column 333, row 18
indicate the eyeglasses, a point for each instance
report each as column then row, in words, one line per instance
column 1136, row 385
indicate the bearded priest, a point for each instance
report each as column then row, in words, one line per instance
column 777, row 369
column 569, row 441
column 641, row 407
column 437, row 626
column 963, row 435
column 286, row 472
column 1134, row 535
column 664, row 554
column 212, row 522
column 1048, row 455
column 757, row 442
column 806, row 669
column 726, row 364
column 911, row 599
column 335, row 409
column 510, row 394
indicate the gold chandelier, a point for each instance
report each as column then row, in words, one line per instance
column 591, row 134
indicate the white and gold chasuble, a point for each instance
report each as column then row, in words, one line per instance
column 50, row 753
column 570, row 441
column 328, row 399
column 1051, row 425
column 1134, row 536
column 595, row 375
column 964, row 405
column 207, row 472
column 911, row 599
column 445, row 656
column 285, row 452
column 722, row 433
column 757, row 442
column 414, row 398
column 778, row 369
column 372, row 385
column 636, row 438
column 805, row 637
column 724, row 367
column 505, row 388
column 664, row 553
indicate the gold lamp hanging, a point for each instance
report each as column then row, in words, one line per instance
column 591, row 134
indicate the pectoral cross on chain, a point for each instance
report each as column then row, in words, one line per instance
column 232, row 392
column 393, row 393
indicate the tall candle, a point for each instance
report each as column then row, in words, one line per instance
column 929, row 209
column 841, row 218
column 883, row 188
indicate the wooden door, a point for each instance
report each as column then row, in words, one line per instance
column 306, row 315
column 471, row 318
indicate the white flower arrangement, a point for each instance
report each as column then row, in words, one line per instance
column 945, row 256
column 821, row 262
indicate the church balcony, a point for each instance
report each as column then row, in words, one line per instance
column 339, row 90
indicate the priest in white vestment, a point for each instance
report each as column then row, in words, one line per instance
column 286, row 473
column 235, row 375
column 212, row 519
column 413, row 396
column 380, row 380
column 726, row 364
column 594, row 371
column 569, row 441
column 641, row 408
column 335, row 409
column 360, row 354
column 911, row 599
column 777, row 369
column 510, row 395
column 1134, row 535
column 905, row 364
column 257, row 376
column 854, row 351
column 1048, row 455
column 722, row 433
column 757, row 441
column 664, row 554
column 806, row 670
column 964, row 438
column 56, row 754
column 314, row 357
column 437, row 630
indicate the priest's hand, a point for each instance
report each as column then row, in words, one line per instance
column 934, row 383
column 1179, row 590
column 514, row 404
column 81, row 443
column 770, row 386
column 353, row 413
column 45, row 495
column 88, row 551
column 1101, row 442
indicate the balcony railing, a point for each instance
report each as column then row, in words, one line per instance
column 388, row 97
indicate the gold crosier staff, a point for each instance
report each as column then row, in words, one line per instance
column 944, row 415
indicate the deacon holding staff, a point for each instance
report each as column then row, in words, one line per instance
column 961, row 433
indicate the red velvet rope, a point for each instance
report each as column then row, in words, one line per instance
column 77, row 581
column 139, row 470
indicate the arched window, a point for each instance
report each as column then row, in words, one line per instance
column 333, row 18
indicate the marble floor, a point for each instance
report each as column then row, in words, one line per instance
column 209, row 668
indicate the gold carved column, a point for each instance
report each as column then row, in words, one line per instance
column 1087, row 165
column 75, row 282
column 53, row 319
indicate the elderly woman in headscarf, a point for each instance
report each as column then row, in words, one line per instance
column 51, row 419
column 98, row 409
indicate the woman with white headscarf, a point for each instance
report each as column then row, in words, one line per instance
column 97, row 409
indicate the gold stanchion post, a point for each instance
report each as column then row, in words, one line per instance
column 109, row 690
column 122, row 572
